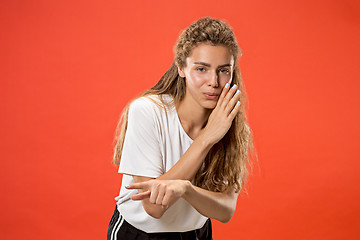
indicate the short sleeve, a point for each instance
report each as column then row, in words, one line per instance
column 141, row 154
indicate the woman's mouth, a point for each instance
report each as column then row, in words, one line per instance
column 211, row 95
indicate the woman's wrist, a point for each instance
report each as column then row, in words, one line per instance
column 187, row 188
column 205, row 141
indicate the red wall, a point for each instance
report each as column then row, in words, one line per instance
column 69, row 67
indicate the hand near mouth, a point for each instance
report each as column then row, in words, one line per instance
column 221, row 118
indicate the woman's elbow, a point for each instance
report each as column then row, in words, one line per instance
column 230, row 208
column 153, row 210
column 226, row 219
column 228, row 214
column 155, row 214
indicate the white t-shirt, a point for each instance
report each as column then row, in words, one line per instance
column 155, row 140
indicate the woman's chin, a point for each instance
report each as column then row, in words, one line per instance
column 209, row 104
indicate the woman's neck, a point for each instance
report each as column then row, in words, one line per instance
column 193, row 117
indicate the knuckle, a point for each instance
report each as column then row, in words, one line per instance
column 162, row 187
column 170, row 190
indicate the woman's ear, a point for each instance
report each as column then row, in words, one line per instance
column 181, row 72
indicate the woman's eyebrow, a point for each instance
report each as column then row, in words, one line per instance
column 202, row 63
column 208, row 65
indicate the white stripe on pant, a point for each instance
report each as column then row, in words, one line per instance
column 117, row 227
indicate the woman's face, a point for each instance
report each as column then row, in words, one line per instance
column 208, row 68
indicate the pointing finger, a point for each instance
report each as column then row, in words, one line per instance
column 141, row 185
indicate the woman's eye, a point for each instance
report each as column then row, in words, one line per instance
column 226, row 71
column 200, row 69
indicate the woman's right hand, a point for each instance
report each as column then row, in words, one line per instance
column 160, row 192
column 221, row 118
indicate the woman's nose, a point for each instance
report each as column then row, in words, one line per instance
column 214, row 80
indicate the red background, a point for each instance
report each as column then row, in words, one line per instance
column 69, row 67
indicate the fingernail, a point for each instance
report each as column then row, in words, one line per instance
column 127, row 186
column 238, row 91
column 233, row 87
column 238, row 103
column 227, row 85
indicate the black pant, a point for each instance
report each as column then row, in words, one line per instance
column 120, row 229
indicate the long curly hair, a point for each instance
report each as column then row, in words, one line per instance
column 226, row 164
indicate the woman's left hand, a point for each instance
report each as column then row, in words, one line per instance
column 160, row 192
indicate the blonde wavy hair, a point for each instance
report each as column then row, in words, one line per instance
column 226, row 164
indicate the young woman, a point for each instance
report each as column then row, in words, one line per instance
column 184, row 143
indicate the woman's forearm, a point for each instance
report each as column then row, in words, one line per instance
column 189, row 164
column 217, row 205
column 158, row 195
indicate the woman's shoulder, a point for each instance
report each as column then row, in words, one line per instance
column 152, row 103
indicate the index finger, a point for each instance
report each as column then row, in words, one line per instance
column 223, row 93
column 141, row 185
